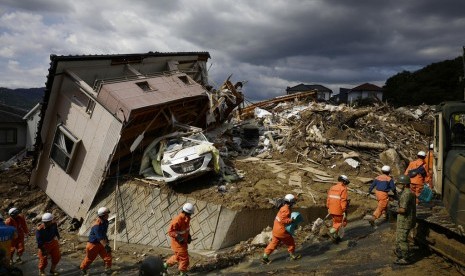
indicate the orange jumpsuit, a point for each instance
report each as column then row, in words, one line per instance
column 279, row 233
column 383, row 183
column 94, row 247
column 337, row 204
column 429, row 169
column 179, row 226
column 47, row 241
column 417, row 182
column 19, row 222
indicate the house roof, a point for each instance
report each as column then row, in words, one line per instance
column 367, row 87
column 31, row 112
column 9, row 114
column 128, row 96
column 308, row 87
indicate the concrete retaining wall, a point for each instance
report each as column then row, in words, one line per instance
column 144, row 214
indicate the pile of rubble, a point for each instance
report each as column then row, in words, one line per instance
column 301, row 147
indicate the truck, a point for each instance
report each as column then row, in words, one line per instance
column 440, row 224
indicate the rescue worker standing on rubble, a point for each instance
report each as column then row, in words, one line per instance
column 279, row 233
column 47, row 241
column 383, row 183
column 429, row 166
column 18, row 221
column 7, row 235
column 98, row 243
column 337, row 203
column 406, row 214
column 180, row 237
column 416, row 170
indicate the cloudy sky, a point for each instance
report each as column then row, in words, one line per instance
column 269, row 44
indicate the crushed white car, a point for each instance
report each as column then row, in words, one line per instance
column 178, row 156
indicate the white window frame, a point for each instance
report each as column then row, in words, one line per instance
column 61, row 150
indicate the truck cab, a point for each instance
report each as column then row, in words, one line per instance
column 449, row 158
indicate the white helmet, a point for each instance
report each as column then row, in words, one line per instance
column 188, row 208
column 289, row 198
column 13, row 212
column 431, row 146
column 344, row 179
column 47, row 217
column 103, row 211
column 421, row 154
column 386, row 169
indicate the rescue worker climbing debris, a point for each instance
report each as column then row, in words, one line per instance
column 383, row 183
column 180, row 238
column 279, row 233
column 337, row 203
column 47, row 241
column 98, row 243
column 416, row 170
column 406, row 214
column 7, row 235
column 429, row 166
column 18, row 221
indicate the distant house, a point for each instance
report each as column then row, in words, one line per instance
column 97, row 106
column 32, row 120
column 12, row 131
column 364, row 91
column 322, row 92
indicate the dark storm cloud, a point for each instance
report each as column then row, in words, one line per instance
column 270, row 44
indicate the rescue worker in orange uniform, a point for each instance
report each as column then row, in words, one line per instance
column 98, row 244
column 429, row 167
column 47, row 241
column 279, row 233
column 180, row 237
column 18, row 221
column 383, row 183
column 337, row 203
column 416, row 170
column 7, row 235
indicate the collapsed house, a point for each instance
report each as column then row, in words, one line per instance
column 99, row 115
column 94, row 109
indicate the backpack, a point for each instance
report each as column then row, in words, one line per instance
column 418, row 171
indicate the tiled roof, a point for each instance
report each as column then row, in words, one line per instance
column 10, row 114
column 367, row 87
column 307, row 87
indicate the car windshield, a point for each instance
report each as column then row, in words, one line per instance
column 178, row 143
column 457, row 126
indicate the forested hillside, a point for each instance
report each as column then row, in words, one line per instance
column 24, row 98
column 433, row 84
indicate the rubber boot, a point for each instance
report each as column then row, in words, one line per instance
column 294, row 257
column 265, row 259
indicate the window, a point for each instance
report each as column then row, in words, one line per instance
column 457, row 126
column 8, row 136
column 144, row 86
column 184, row 79
column 64, row 148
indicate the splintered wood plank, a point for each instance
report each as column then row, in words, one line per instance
column 364, row 179
column 323, row 177
column 248, row 159
column 295, row 180
column 315, row 171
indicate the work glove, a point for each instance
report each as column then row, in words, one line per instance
column 189, row 239
column 180, row 239
column 107, row 248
